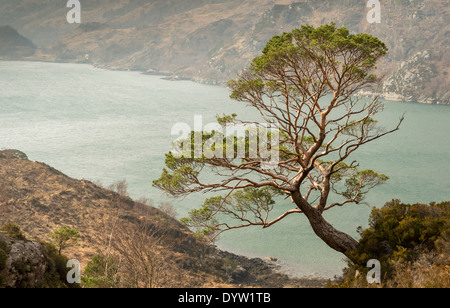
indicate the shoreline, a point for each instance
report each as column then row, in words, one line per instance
column 170, row 76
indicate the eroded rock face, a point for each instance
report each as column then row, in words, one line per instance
column 25, row 265
column 416, row 79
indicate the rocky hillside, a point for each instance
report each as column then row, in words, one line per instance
column 211, row 40
column 39, row 199
column 419, row 78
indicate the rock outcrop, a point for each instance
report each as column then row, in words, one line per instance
column 26, row 264
column 416, row 79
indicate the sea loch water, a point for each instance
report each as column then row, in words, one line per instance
column 107, row 126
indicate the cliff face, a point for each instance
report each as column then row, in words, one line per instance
column 418, row 79
column 211, row 40
column 24, row 264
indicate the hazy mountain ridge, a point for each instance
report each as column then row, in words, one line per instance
column 13, row 45
column 211, row 41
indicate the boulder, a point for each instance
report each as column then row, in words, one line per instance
column 25, row 265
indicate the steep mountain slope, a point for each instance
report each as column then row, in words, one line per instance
column 40, row 199
column 211, row 40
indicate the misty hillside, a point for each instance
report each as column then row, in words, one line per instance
column 210, row 41
column 13, row 45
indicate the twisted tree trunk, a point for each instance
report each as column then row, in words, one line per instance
column 334, row 238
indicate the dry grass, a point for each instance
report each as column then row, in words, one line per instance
column 40, row 199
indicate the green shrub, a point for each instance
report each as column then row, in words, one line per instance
column 3, row 257
column 65, row 237
column 13, row 154
column 12, row 231
column 4, row 246
column 56, row 275
column 399, row 236
column 100, row 272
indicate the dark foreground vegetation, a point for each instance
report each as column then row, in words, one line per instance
column 411, row 241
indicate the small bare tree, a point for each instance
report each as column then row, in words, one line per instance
column 134, row 252
column 168, row 209
column 120, row 187
column 143, row 262
column 304, row 83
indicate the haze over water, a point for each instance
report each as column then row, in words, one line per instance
column 107, row 126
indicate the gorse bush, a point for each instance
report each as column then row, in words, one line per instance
column 411, row 241
column 12, row 231
column 402, row 231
